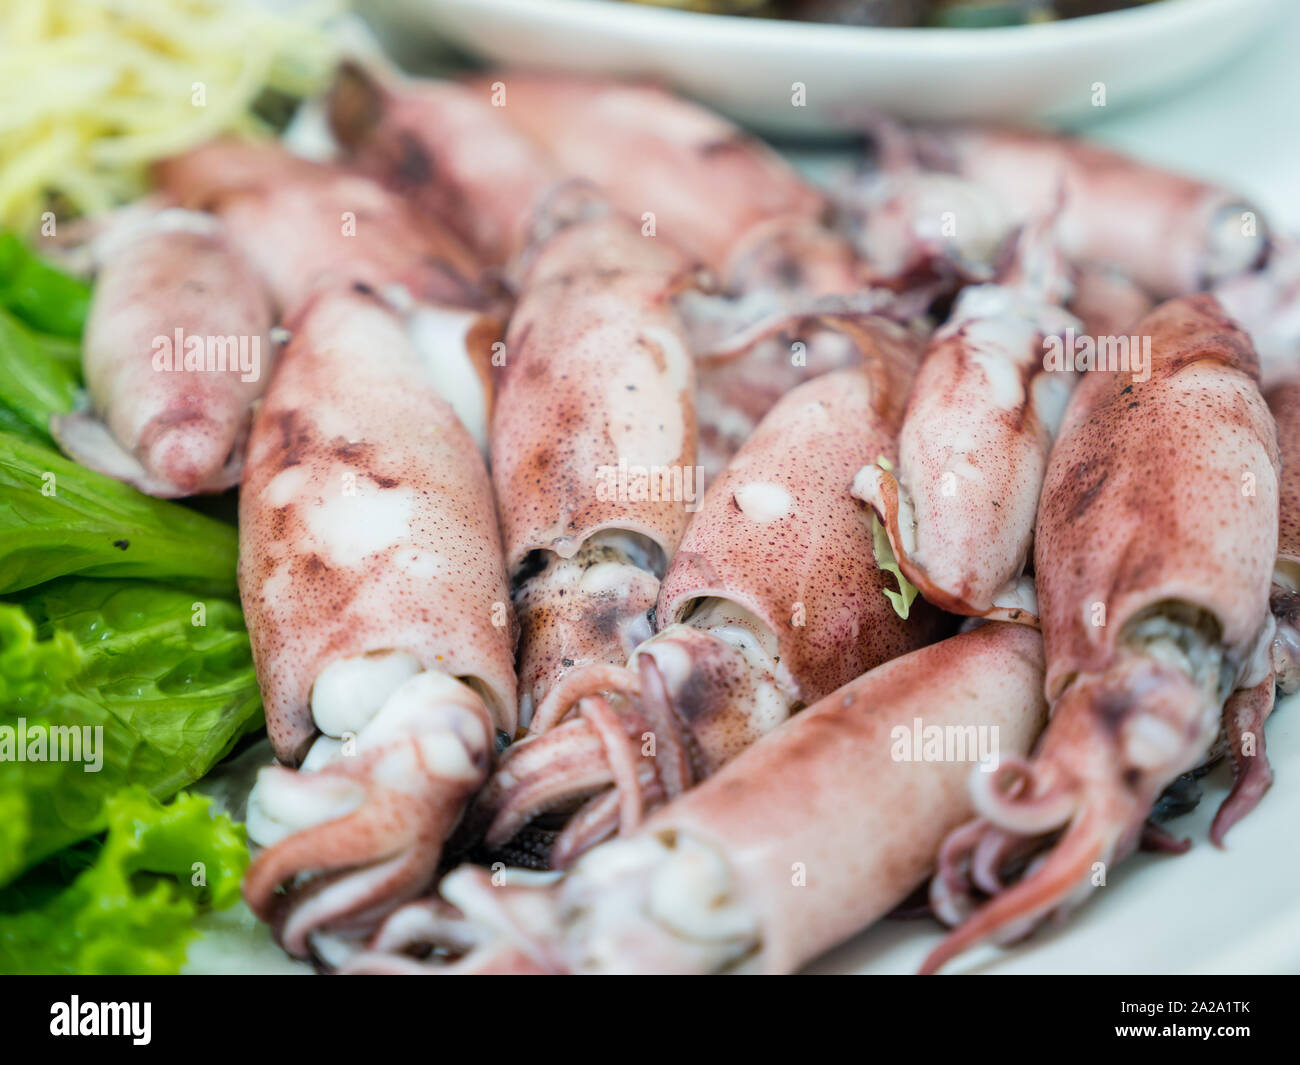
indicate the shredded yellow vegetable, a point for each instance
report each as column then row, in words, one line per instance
column 93, row 91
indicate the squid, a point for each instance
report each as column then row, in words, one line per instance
column 373, row 583
column 772, row 601
column 304, row 225
column 917, row 227
column 731, row 204
column 816, row 831
column 960, row 504
column 1156, row 542
column 443, row 146
column 177, row 350
column 1170, row 234
column 1284, row 401
column 593, row 439
column 482, row 155
column 926, row 234
column 1106, row 301
column 688, row 175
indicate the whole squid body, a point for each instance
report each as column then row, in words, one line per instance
column 443, row 146
column 688, row 175
column 772, row 600
column 177, row 349
column 593, row 439
column 1156, row 541
column 960, row 504
column 814, row 832
column 372, row 579
column 304, row 225
column 1171, row 234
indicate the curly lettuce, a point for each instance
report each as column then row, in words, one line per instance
column 131, row 902
column 148, row 685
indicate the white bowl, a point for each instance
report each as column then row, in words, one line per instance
column 748, row 67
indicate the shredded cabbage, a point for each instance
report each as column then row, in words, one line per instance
column 93, row 91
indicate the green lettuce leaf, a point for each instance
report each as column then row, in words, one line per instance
column 33, row 384
column 45, row 298
column 131, row 907
column 158, row 686
column 58, row 518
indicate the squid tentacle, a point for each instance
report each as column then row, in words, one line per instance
column 704, row 885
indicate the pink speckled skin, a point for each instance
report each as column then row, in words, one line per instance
column 803, row 566
column 1134, row 465
column 714, row 191
column 1284, row 601
column 824, row 793
column 1151, row 223
column 303, row 225
column 822, row 827
column 186, row 429
column 442, row 146
column 1284, row 402
column 818, row 556
column 597, row 373
column 354, row 409
column 971, row 462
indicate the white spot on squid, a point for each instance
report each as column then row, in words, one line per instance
column 764, row 501
column 286, row 485
column 351, row 528
column 1150, row 742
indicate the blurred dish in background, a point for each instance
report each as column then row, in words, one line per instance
column 948, row 14
column 753, row 68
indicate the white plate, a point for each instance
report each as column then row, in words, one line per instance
column 746, row 67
